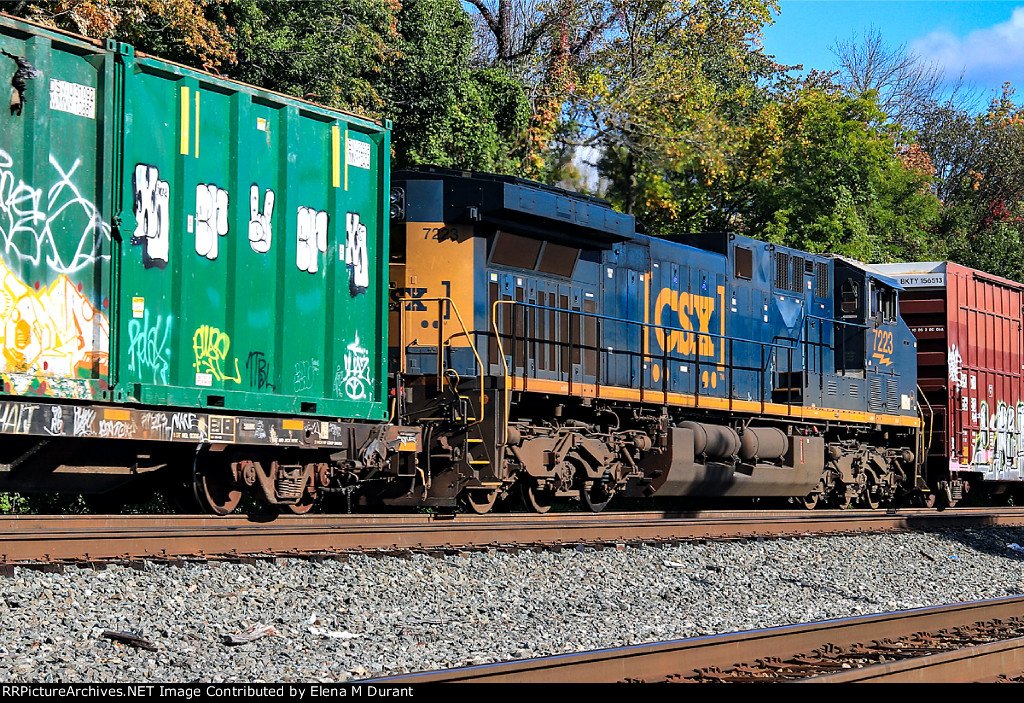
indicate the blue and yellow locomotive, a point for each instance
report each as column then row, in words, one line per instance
column 546, row 345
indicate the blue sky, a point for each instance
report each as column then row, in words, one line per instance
column 984, row 38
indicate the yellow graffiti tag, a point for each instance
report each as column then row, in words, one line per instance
column 53, row 331
column 694, row 312
column 211, row 347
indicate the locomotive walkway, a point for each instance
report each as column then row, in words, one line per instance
column 54, row 540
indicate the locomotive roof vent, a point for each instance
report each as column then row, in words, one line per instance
column 513, row 205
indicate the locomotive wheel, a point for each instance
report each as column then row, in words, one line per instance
column 537, row 499
column 869, row 495
column 214, row 486
column 595, row 497
column 480, row 502
column 812, row 499
column 843, row 500
column 929, row 500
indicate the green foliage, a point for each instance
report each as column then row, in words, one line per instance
column 192, row 32
column 981, row 161
column 333, row 52
column 445, row 111
column 835, row 182
column 667, row 100
column 12, row 504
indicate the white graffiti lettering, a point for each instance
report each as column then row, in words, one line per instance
column 56, row 420
column 211, row 218
column 83, row 421
column 355, row 381
column 312, row 238
column 65, row 229
column 956, row 376
column 158, row 425
column 356, row 255
column 152, row 215
column 183, row 422
column 117, row 429
column 998, row 446
column 16, row 418
column 260, row 226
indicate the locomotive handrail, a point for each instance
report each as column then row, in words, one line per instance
column 442, row 343
column 507, row 372
column 609, row 318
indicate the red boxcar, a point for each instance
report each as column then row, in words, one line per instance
column 969, row 342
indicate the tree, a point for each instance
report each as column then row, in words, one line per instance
column 983, row 218
column 187, row 31
column 447, row 112
column 667, row 101
column 333, row 52
column 840, row 180
column 908, row 86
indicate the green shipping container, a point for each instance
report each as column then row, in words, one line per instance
column 171, row 238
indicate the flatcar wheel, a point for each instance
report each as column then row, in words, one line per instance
column 213, row 486
column 480, row 502
column 929, row 500
column 536, row 499
column 596, row 497
column 302, row 507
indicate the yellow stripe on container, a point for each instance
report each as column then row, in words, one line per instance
column 335, row 156
column 197, row 124
column 185, row 117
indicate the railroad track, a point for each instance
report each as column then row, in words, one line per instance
column 962, row 643
column 53, row 539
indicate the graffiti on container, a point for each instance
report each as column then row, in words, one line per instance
column 305, row 374
column 353, row 381
column 956, row 376
column 211, row 348
column 211, row 218
column 52, row 331
column 16, row 418
column 259, row 371
column 189, row 425
column 260, row 227
column 149, row 347
column 63, row 229
column 56, row 420
column 312, row 238
column 355, row 255
column 158, row 425
column 152, row 215
column 998, row 446
column 83, row 422
column 117, row 429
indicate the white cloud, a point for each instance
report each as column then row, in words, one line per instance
column 986, row 56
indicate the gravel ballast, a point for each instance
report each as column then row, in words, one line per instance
column 368, row 617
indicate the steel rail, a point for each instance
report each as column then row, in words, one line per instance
column 56, row 537
column 663, row 661
column 981, row 664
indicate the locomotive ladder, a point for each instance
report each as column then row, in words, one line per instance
column 476, row 454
